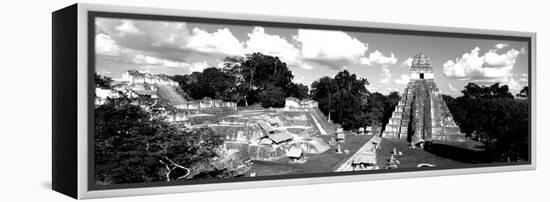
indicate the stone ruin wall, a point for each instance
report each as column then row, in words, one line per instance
column 243, row 134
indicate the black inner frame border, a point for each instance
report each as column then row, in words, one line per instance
column 92, row 15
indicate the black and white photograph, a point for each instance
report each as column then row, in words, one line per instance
column 191, row 101
column 275, row 101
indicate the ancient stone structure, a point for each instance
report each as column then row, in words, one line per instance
column 134, row 76
column 421, row 114
column 295, row 103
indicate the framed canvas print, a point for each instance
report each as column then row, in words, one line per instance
column 149, row 101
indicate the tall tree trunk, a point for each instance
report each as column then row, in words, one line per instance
column 329, row 104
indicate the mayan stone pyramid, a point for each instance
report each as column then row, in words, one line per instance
column 421, row 114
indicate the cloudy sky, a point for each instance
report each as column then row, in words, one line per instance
column 383, row 59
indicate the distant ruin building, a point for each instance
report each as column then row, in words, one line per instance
column 135, row 84
column 421, row 114
column 133, row 76
column 295, row 103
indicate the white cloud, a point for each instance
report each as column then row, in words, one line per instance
column 493, row 59
column 501, row 45
column 154, row 61
column 221, row 41
column 198, row 66
column 309, row 48
column 105, row 45
column 473, row 66
column 523, row 80
column 170, row 38
column 372, row 88
column 513, row 84
column 329, row 48
column 305, row 65
column 404, row 79
column 127, row 27
column 407, row 63
column 377, row 57
column 386, row 75
column 151, row 44
column 153, row 64
column 259, row 41
column 167, row 34
column 470, row 63
column 177, row 42
column 452, row 88
column 301, row 80
column 389, row 90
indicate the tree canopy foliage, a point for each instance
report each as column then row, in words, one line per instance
column 492, row 115
column 524, row 93
column 341, row 98
column 245, row 80
column 346, row 101
column 134, row 144
column 474, row 91
column 212, row 83
column 102, row 81
column 379, row 107
column 257, row 74
column 298, row 90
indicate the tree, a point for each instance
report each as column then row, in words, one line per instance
column 474, row 91
column 272, row 97
column 378, row 108
column 102, row 81
column 491, row 115
column 257, row 72
column 213, row 83
column 185, row 83
column 234, row 66
column 392, row 101
column 524, row 92
column 133, row 145
column 375, row 109
column 341, row 96
column 459, row 113
column 298, row 90
column 322, row 91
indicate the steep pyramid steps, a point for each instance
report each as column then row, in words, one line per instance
column 330, row 128
column 318, row 125
column 421, row 114
column 171, row 95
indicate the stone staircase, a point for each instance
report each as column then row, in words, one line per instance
column 170, row 94
column 423, row 105
column 398, row 124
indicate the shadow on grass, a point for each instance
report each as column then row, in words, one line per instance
column 458, row 153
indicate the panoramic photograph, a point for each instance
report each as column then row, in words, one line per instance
column 189, row 101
